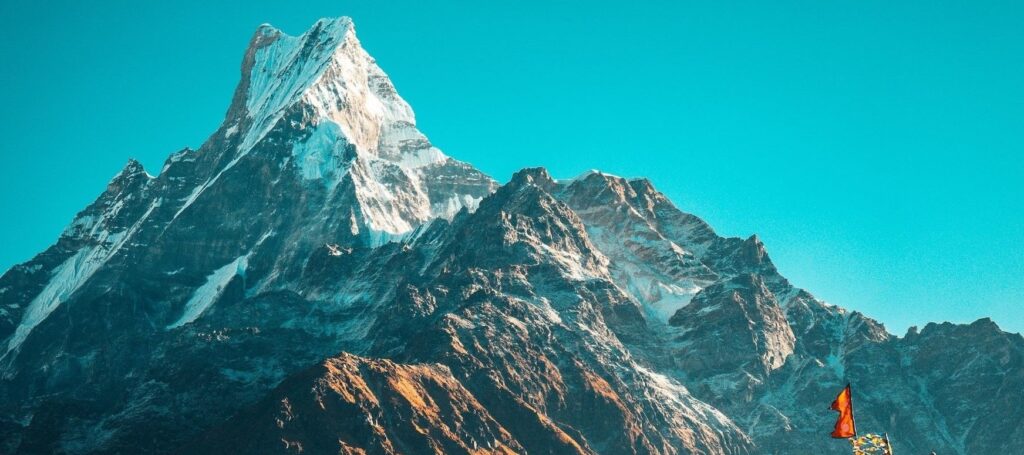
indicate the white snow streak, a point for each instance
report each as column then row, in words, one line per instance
column 65, row 279
column 216, row 283
column 210, row 291
column 70, row 275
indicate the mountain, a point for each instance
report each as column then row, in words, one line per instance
column 319, row 278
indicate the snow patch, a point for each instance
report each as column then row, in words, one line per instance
column 450, row 207
column 209, row 292
column 65, row 279
column 216, row 283
column 673, row 296
column 70, row 275
column 334, row 250
column 320, row 155
column 549, row 312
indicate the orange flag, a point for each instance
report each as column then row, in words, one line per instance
column 845, row 428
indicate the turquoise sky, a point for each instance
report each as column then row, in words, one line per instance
column 877, row 147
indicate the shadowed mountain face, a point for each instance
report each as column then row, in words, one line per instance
column 319, row 278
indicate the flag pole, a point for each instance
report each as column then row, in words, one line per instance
column 852, row 416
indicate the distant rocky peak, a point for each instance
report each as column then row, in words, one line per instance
column 124, row 193
column 741, row 305
column 596, row 189
column 595, row 179
column 538, row 176
column 524, row 217
column 132, row 175
column 644, row 187
column 736, row 256
column 981, row 328
column 131, row 169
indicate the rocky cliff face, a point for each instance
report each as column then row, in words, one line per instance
column 319, row 278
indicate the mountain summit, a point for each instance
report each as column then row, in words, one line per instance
column 317, row 277
column 346, row 123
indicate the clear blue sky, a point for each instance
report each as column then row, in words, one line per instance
column 877, row 147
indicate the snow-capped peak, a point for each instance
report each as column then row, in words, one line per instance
column 323, row 97
column 328, row 76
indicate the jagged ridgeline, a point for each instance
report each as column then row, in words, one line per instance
column 319, row 278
